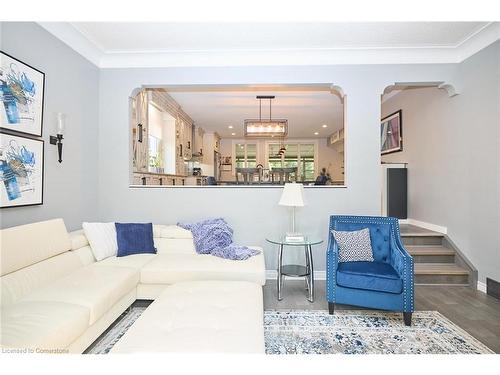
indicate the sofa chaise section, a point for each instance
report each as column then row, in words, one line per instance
column 200, row 316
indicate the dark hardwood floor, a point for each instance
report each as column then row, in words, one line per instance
column 473, row 311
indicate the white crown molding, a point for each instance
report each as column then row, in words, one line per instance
column 482, row 38
column 277, row 57
column 76, row 40
column 389, row 95
column 83, row 44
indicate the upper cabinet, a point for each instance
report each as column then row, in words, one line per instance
column 188, row 140
column 336, row 140
column 198, row 141
column 162, row 134
column 139, row 129
column 184, row 139
column 211, row 143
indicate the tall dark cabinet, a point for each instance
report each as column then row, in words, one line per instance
column 397, row 192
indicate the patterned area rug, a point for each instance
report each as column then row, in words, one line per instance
column 365, row 332
column 346, row 332
column 114, row 333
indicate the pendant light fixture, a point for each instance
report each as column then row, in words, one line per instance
column 266, row 128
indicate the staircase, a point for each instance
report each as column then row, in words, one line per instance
column 436, row 261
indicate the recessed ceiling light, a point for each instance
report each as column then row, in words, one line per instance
column 324, row 126
column 230, row 126
column 233, row 133
column 316, row 133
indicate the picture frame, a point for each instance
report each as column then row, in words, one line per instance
column 22, row 95
column 21, row 171
column 391, row 133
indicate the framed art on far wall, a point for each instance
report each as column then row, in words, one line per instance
column 391, row 133
column 22, row 95
column 21, row 171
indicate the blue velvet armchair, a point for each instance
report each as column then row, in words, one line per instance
column 386, row 283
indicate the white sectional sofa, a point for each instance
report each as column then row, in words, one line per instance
column 56, row 297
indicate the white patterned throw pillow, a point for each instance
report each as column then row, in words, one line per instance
column 354, row 246
column 102, row 239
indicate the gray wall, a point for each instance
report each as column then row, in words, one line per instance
column 71, row 87
column 452, row 147
column 253, row 213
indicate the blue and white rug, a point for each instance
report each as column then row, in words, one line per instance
column 365, row 332
column 345, row 332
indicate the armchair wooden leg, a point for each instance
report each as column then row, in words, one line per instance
column 331, row 308
column 407, row 318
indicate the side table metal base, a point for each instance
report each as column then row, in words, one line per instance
column 294, row 270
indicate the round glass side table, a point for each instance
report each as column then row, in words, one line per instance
column 296, row 270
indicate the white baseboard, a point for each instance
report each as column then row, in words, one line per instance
column 273, row 274
column 481, row 287
column 423, row 224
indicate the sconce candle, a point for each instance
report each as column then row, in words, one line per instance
column 60, row 128
column 61, row 123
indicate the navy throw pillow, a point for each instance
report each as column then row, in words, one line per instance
column 134, row 238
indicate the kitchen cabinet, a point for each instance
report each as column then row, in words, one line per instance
column 211, row 144
column 196, row 180
column 154, row 179
column 179, row 140
column 184, row 140
column 336, row 140
column 184, row 143
column 198, row 140
column 188, row 141
column 139, row 129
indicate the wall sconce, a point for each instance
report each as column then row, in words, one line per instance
column 57, row 139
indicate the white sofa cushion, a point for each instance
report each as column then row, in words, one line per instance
column 25, row 245
column 78, row 239
column 135, row 261
column 206, row 316
column 173, row 268
column 171, row 239
column 42, row 324
column 102, row 239
column 174, row 231
column 174, row 246
column 95, row 287
column 18, row 284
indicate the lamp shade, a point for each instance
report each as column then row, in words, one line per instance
column 292, row 195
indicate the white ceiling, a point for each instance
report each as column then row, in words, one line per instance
column 306, row 111
column 139, row 37
column 128, row 44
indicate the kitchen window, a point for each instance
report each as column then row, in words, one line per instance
column 155, row 152
column 299, row 155
column 245, row 155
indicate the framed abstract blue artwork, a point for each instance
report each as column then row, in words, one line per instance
column 21, row 171
column 21, row 96
column 391, row 133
